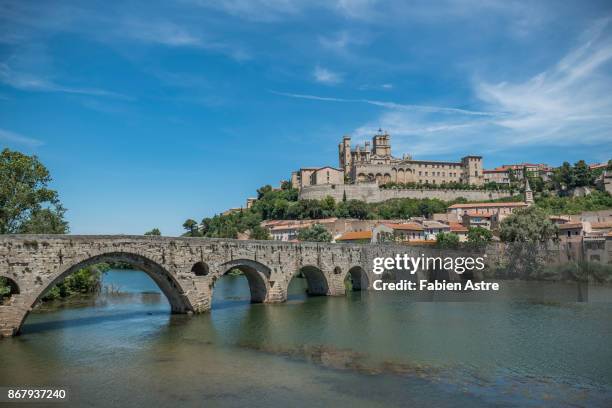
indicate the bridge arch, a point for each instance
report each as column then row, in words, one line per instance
column 358, row 277
column 170, row 287
column 316, row 280
column 256, row 273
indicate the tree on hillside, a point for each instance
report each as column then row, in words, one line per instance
column 478, row 237
column 582, row 174
column 447, row 240
column 258, row 232
column 316, row 233
column 357, row 209
column 563, row 177
column 27, row 205
column 529, row 225
column 154, row 231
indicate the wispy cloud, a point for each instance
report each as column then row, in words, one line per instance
column 162, row 32
column 569, row 103
column 390, row 105
column 12, row 137
column 27, row 82
column 326, row 76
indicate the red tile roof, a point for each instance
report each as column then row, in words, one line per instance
column 409, row 226
column 488, row 205
column 355, row 235
column 455, row 227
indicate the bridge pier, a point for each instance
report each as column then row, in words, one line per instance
column 335, row 283
column 12, row 315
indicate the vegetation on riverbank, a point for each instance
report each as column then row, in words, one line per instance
column 84, row 281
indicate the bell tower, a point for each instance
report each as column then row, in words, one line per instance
column 381, row 144
column 344, row 155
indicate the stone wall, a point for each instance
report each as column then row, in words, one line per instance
column 371, row 193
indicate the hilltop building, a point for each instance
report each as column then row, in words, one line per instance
column 375, row 163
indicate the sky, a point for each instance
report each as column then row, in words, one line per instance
column 149, row 113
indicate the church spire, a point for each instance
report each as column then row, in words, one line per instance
column 528, row 192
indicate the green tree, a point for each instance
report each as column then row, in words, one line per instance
column 563, row 177
column 328, row 206
column 83, row 281
column 582, row 174
column 447, row 240
column 191, row 226
column 529, row 225
column 45, row 221
column 316, row 233
column 357, row 209
column 478, row 237
column 154, row 231
column 26, row 202
column 258, row 232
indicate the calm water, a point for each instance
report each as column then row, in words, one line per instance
column 368, row 349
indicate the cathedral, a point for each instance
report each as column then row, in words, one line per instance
column 375, row 163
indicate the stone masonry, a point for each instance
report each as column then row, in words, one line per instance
column 372, row 193
column 185, row 269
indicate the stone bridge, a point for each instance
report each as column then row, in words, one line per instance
column 185, row 269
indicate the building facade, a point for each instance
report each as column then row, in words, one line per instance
column 375, row 162
column 316, row 176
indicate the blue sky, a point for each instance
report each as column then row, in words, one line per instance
column 149, row 113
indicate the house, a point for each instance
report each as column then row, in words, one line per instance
column 499, row 176
column 486, row 221
column 601, row 228
column 502, row 210
column 432, row 228
column 570, row 231
column 287, row 230
column 402, row 232
column 459, row 229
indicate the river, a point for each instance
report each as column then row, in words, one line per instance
column 367, row 349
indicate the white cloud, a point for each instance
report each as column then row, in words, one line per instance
column 325, row 76
column 12, row 137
